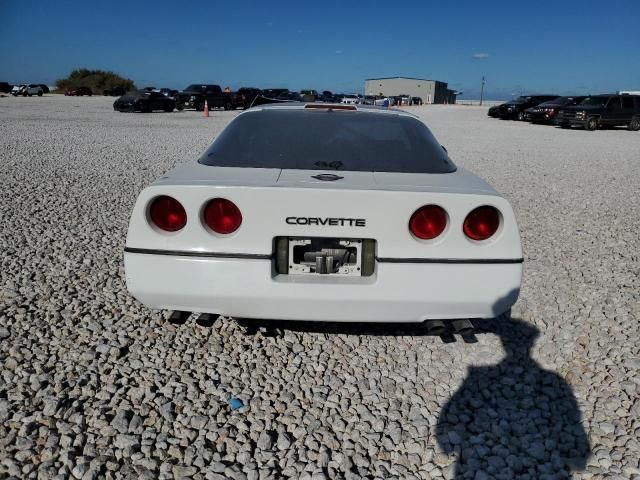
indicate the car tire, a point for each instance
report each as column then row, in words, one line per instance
column 520, row 116
column 565, row 125
column 179, row 107
column 199, row 106
column 24, row 94
column 634, row 124
column 227, row 106
column 40, row 93
column 282, row 255
column 591, row 124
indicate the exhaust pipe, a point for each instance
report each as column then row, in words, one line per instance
column 462, row 326
column 178, row 317
column 435, row 327
column 207, row 319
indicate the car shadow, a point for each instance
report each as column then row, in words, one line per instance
column 513, row 419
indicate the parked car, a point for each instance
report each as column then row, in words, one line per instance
column 167, row 92
column 5, row 87
column 547, row 112
column 144, row 101
column 290, row 96
column 494, row 111
column 115, row 92
column 281, row 218
column 79, row 92
column 416, row 101
column 195, row 95
column 514, row 110
column 45, row 88
column 599, row 111
column 245, row 96
column 26, row 90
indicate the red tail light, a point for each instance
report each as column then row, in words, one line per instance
column 481, row 223
column 167, row 214
column 222, row 216
column 428, row 222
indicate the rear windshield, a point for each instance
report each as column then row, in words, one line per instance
column 325, row 140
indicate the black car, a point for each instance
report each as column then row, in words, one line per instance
column 245, row 96
column 514, row 110
column 494, row 111
column 5, row 87
column 599, row 111
column 195, row 96
column 167, row 92
column 115, row 92
column 290, row 96
column 547, row 112
column 143, row 101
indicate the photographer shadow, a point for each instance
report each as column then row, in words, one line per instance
column 514, row 419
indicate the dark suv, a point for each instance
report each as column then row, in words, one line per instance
column 547, row 112
column 514, row 110
column 194, row 96
column 603, row 111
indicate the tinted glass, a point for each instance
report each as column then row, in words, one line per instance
column 614, row 103
column 324, row 140
column 597, row 101
column 627, row 102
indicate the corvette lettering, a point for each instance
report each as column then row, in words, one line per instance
column 331, row 221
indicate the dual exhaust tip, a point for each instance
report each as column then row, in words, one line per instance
column 438, row 327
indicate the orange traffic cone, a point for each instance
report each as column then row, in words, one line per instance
column 205, row 112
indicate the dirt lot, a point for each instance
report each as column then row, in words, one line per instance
column 93, row 384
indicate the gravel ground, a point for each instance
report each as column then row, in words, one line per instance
column 95, row 385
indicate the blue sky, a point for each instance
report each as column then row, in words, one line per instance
column 521, row 47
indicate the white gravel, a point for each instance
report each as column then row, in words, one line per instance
column 94, row 385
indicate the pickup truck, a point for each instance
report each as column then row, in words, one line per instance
column 194, row 96
column 602, row 111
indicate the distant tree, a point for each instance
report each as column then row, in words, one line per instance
column 96, row 80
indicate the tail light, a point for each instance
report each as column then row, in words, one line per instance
column 428, row 222
column 222, row 216
column 481, row 223
column 167, row 214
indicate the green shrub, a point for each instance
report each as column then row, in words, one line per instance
column 96, row 80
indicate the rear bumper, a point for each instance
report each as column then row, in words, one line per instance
column 250, row 288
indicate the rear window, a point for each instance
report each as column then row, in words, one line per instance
column 325, row 140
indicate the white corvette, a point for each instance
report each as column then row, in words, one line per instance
column 324, row 212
